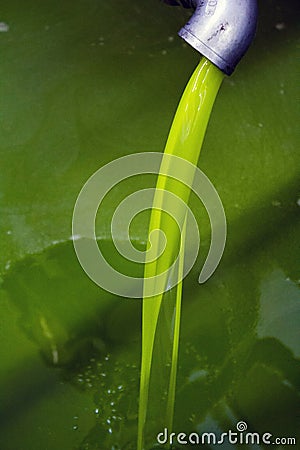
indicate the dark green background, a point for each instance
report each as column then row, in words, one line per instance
column 82, row 83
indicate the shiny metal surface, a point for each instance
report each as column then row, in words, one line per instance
column 221, row 30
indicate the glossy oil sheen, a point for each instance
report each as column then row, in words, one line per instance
column 185, row 141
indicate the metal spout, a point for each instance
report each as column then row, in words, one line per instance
column 221, row 30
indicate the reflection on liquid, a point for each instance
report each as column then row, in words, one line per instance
column 237, row 352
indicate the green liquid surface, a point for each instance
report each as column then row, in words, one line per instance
column 70, row 353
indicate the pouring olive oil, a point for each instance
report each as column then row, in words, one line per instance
column 161, row 312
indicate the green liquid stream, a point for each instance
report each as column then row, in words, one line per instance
column 161, row 313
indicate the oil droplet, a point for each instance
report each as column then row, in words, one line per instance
column 4, row 27
column 280, row 26
column 288, row 384
column 198, row 375
column 192, row 417
column 171, row 38
column 276, row 203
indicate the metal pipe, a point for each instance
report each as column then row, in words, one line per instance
column 221, row 30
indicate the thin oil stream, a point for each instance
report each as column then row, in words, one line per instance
column 161, row 319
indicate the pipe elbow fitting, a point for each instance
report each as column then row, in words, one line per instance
column 221, row 30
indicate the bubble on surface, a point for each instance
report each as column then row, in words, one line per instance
column 114, row 384
column 276, row 203
column 4, row 27
column 280, row 26
column 197, row 375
